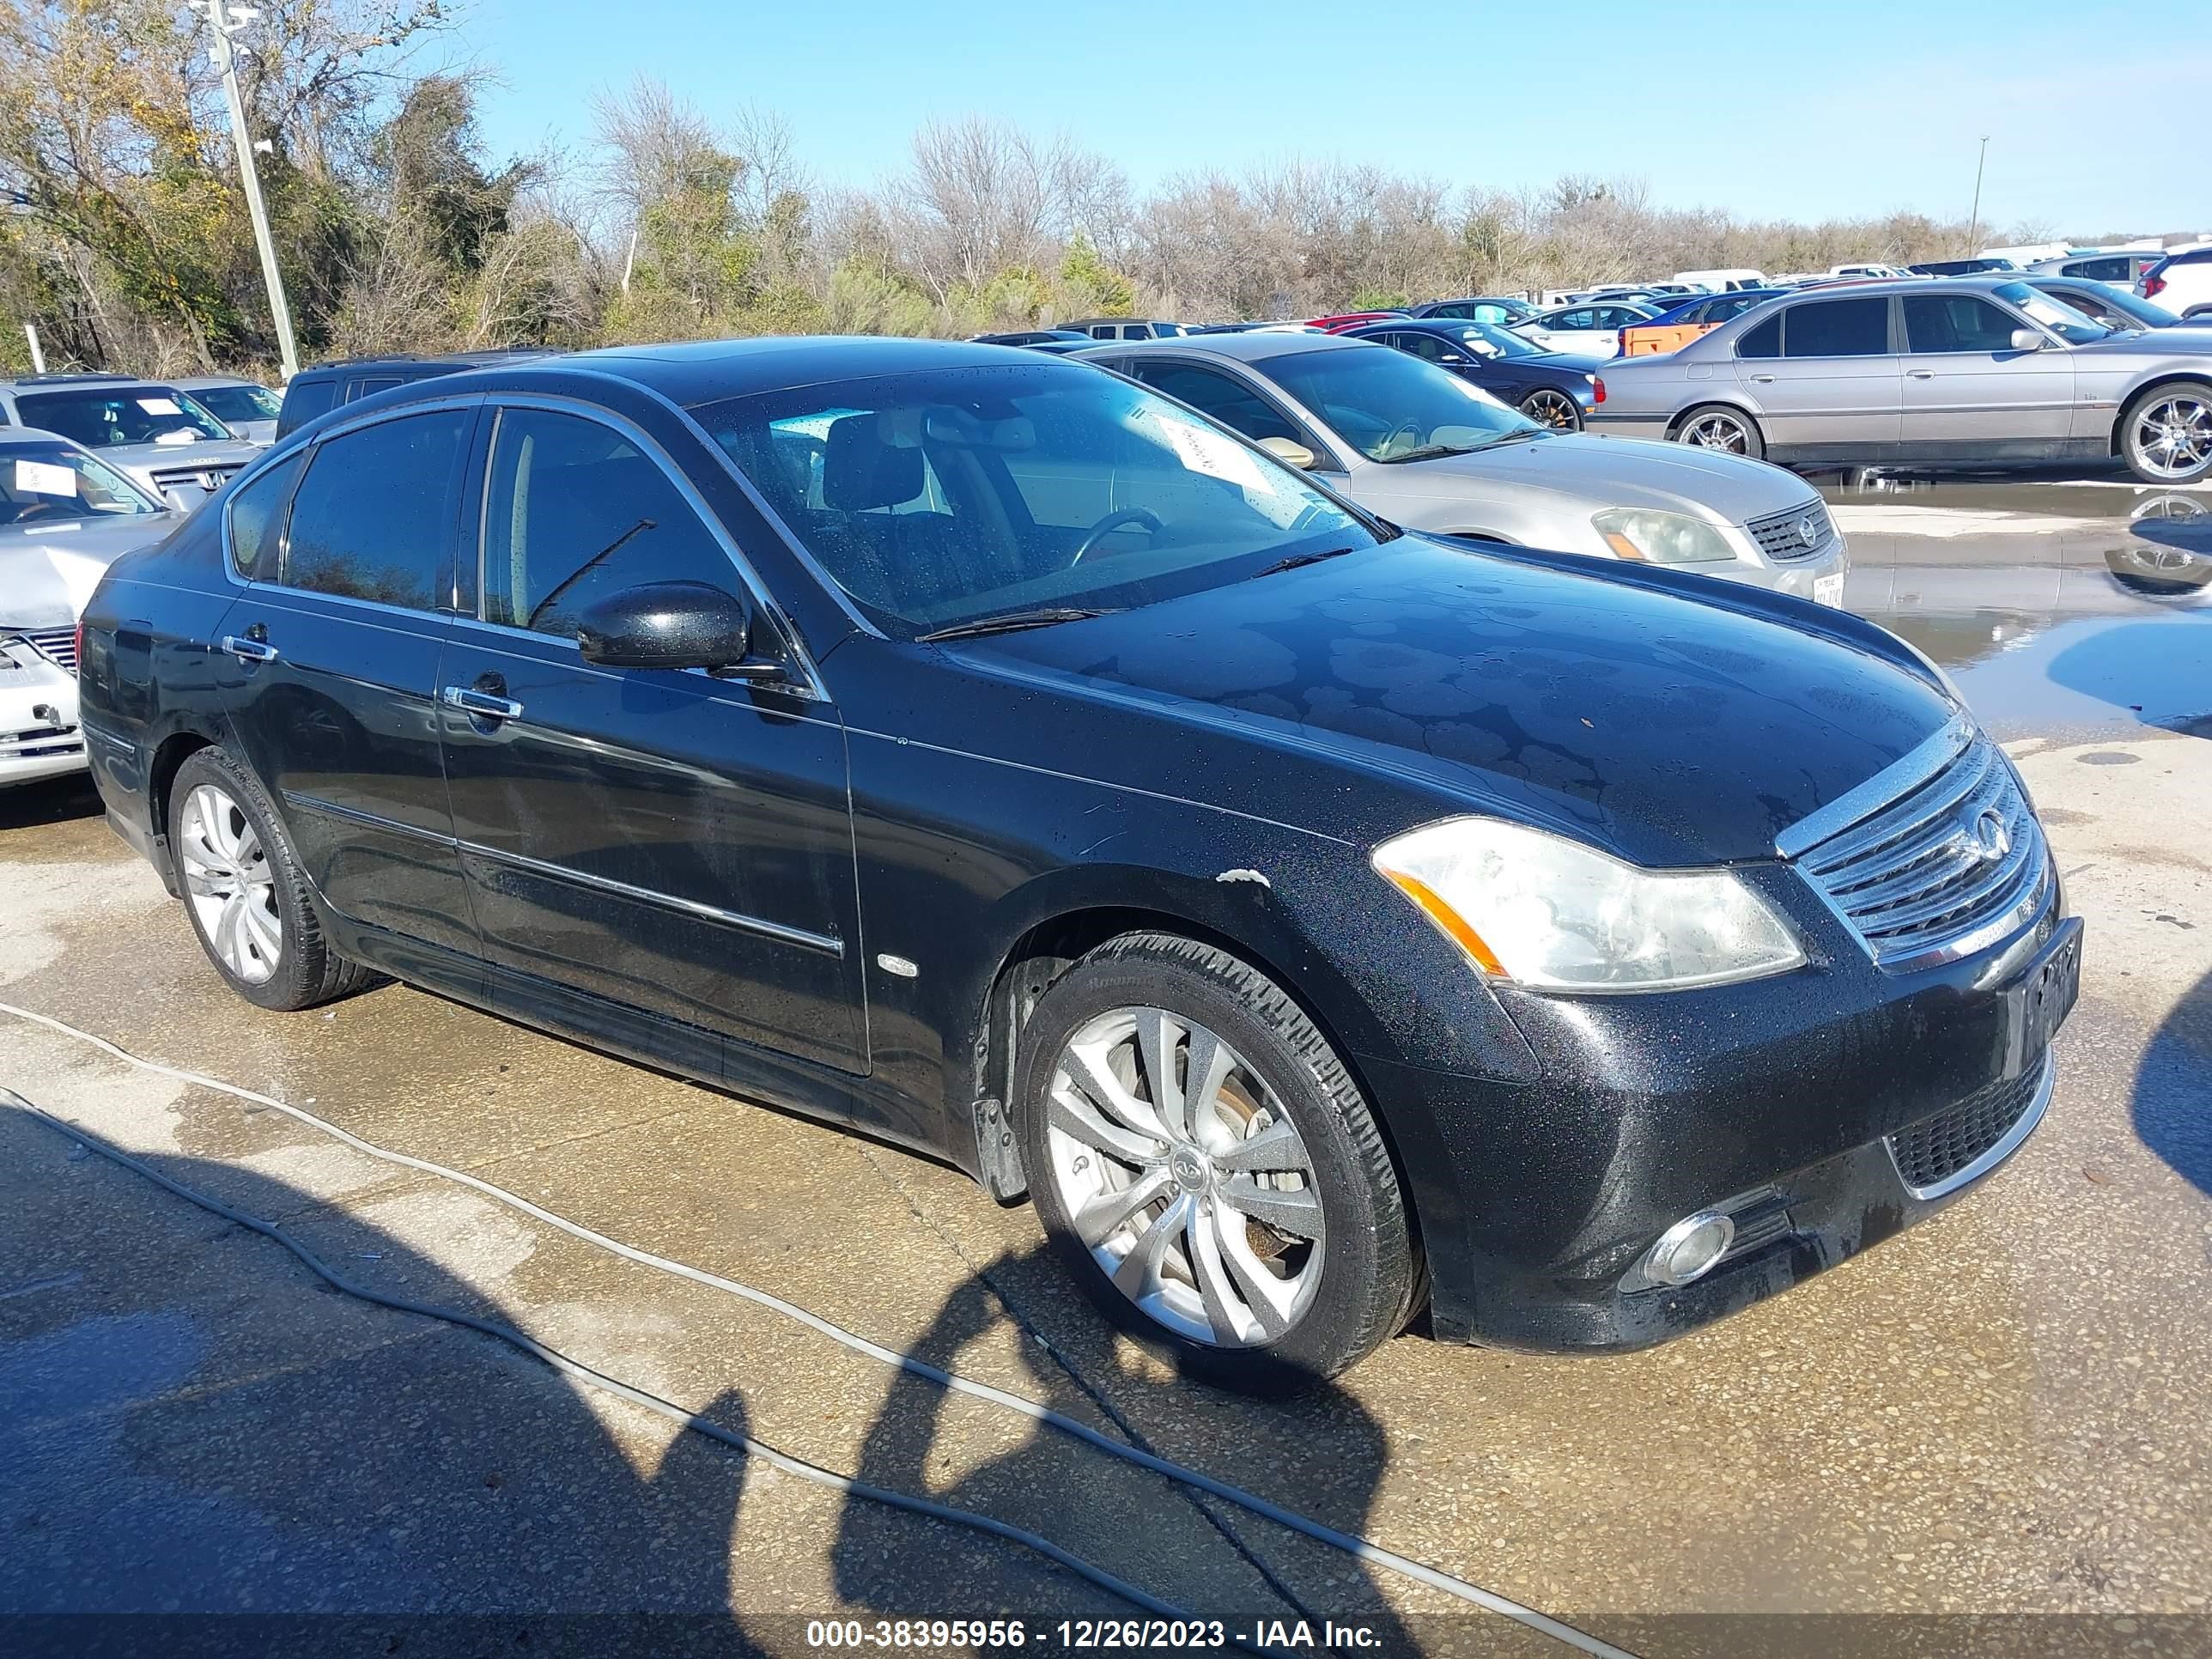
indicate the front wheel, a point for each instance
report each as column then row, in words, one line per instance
column 1716, row 426
column 2166, row 436
column 1207, row 1169
column 1549, row 406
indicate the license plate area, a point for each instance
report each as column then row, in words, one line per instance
column 1828, row 590
column 2037, row 1003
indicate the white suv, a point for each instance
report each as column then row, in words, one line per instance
column 2182, row 282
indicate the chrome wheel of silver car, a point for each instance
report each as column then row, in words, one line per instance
column 229, row 883
column 1553, row 409
column 1716, row 429
column 2170, row 435
column 1185, row 1177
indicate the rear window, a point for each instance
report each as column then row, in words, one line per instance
column 1837, row 328
column 305, row 399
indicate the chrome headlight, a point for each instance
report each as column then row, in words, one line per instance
column 1637, row 532
column 1549, row 913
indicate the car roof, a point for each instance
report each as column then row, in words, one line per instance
column 37, row 434
column 707, row 371
column 81, row 383
column 190, row 382
column 1240, row 347
column 490, row 358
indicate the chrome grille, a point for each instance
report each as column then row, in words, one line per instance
column 57, row 645
column 209, row 478
column 1781, row 536
column 1947, row 857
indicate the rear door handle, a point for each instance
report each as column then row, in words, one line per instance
column 1920, row 374
column 483, row 704
column 249, row 650
column 1763, row 380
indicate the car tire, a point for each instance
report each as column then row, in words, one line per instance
column 1285, row 1132
column 1549, row 407
column 2179, row 412
column 1716, row 421
column 245, row 891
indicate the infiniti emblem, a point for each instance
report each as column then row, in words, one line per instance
column 1187, row 1169
column 1808, row 532
column 1987, row 838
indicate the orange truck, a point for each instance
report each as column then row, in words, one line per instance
column 1686, row 322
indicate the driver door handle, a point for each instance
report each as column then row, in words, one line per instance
column 1920, row 374
column 1763, row 380
column 483, row 704
column 247, row 650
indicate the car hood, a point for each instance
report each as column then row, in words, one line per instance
column 1671, row 731
column 48, row 572
column 1573, row 361
column 1619, row 471
column 212, row 452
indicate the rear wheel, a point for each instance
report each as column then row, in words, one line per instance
column 243, row 890
column 1716, row 426
column 1207, row 1168
column 1549, row 406
column 2166, row 436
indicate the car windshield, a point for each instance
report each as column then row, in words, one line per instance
column 1487, row 342
column 43, row 483
column 239, row 403
column 2055, row 314
column 1391, row 406
column 947, row 496
column 131, row 415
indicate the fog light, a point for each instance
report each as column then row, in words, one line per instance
column 1688, row 1249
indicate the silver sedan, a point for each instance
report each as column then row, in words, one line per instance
column 1964, row 372
column 1423, row 449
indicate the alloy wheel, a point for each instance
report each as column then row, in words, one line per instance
column 1717, row 431
column 1553, row 409
column 229, row 883
column 1186, row 1178
column 2172, row 437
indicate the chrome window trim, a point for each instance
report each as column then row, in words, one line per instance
column 2005, row 1147
column 807, row 681
column 1898, row 778
column 828, row 944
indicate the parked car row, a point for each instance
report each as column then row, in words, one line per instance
column 1323, row 916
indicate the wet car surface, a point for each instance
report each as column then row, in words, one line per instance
column 2001, row 1411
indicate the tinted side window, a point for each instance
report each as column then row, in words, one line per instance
column 575, row 512
column 1764, row 341
column 1955, row 322
column 1838, row 328
column 256, row 520
column 373, row 517
column 305, row 399
column 1217, row 394
column 371, row 384
column 1421, row 345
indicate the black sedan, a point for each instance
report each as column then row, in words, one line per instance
column 1551, row 388
column 1320, row 921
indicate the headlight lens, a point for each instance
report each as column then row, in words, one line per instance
column 1547, row 912
column 1636, row 532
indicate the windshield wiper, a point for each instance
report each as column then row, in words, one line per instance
column 1008, row 621
column 1298, row 561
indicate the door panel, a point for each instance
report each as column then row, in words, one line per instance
column 1836, row 383
column 666, row 840
column 1966, row 383
column 332, row 693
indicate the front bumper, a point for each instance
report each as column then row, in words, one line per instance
column 40, row 737
column 1777, row 1101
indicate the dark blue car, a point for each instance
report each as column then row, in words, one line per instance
column 1551, row 388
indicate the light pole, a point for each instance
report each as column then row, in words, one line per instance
column 1974, row 222
column 225, row 20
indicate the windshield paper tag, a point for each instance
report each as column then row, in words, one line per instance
column 44, row 479
column 161, row 405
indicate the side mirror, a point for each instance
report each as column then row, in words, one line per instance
column 671, row 625
column 2027, row 339
column 184, row 496
column 1296, row 454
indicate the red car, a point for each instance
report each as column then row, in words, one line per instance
column 1337, row 323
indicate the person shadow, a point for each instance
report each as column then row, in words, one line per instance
column 2172, row 1082
column 205, row 1449
column 1199, row 1553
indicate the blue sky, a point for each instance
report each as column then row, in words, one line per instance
column 1782, row 110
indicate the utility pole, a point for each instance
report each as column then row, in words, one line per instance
column 1974, row 222
column 226, row 20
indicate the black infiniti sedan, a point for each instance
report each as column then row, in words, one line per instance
column 1551, row 388
column 1319, row 922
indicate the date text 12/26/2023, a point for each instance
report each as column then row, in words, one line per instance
column 1083, row 1635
